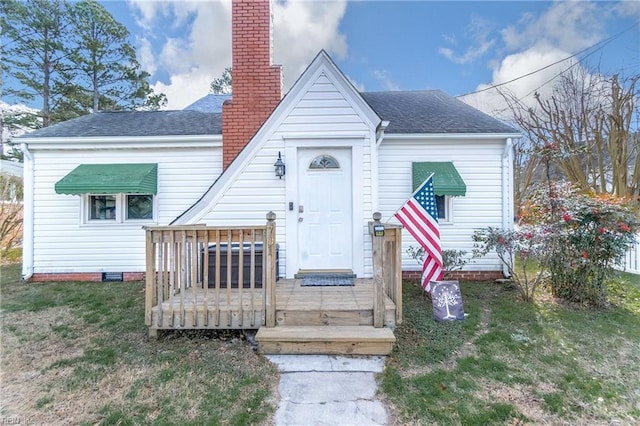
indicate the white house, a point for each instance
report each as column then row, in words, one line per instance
column 92, row 183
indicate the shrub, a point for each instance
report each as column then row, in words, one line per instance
column 527, row 245
column 591, row 235
column 575, row 240
column 452, row 260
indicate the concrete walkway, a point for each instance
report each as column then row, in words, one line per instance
column 328, row 390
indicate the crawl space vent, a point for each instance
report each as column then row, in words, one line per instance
column 112, row 276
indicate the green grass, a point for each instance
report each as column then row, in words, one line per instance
column 511, row 362
column 85, row 347
column 84, row 350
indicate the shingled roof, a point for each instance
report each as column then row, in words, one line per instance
column 428, row 111
column 431, row 111
column 135, row 123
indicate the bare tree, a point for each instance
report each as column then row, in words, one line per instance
column 588, row 128
column 10, row 212
column 525, row 167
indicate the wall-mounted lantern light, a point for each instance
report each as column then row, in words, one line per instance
column 279, row 166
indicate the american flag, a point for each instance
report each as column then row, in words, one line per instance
column 419, row 216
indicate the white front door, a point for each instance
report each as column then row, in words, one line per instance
column 324, row 209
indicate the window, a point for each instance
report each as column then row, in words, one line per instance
column 102, row 207
column 119, row 208
column 324, row 162
column 443, row 205
column 139, row 207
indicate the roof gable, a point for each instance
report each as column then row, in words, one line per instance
column 323, row 66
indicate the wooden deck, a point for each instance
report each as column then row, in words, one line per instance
column 191, row 271
column 295, row 306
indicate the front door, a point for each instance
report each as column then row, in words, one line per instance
column 324, row 209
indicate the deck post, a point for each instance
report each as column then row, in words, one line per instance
column 378, row 273
column 150, row 277
column 398, row 274
column 270, row 275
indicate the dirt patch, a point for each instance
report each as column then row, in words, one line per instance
column 466, row 350
column 29, row 346
column 38, row 386
column 523, row 397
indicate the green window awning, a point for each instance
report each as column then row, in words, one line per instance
column 446, row 179
column 110, row 179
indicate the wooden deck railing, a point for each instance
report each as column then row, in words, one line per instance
column 387, row 268
column 209, row 276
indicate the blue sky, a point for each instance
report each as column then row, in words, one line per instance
column 455, row 46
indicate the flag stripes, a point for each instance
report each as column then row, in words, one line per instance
column 420, row 217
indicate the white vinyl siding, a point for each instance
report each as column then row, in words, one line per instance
column 479, row 163
column 320, row 111
column 65, row 243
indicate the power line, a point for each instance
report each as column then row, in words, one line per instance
column 602, row 43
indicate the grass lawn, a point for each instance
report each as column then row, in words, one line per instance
column 77, row 353
column 510, row 362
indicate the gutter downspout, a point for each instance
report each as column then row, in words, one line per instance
column 27, row 218
column 375, row 164
column 507, row 190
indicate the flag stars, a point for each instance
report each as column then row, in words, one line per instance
column 426, row 197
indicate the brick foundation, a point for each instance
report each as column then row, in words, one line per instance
column 83, row 276
column 459, row 275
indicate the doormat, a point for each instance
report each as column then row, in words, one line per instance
column 319, row 280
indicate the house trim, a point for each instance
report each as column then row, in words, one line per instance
column 458, row 136
column 105, row 142
column 28, row 213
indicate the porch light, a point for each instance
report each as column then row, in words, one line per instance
column 279, row 166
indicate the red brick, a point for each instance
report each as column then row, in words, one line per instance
column 459, row 275
column 82, row 276
column 257, row 86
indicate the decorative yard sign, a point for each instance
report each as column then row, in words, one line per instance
column 447, row 301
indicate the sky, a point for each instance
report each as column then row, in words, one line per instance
column 459, row 47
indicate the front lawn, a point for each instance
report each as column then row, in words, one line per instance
column 77, row 353
column 510, row 362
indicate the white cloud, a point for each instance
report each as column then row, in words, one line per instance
column 536, row 42
column 300, row 30
column 571, row 26
column 514, row 66
column 479, row 33
column 630, row 8
column 385, row 78
column 184, row 89
column 194, row 50
column 145, row 55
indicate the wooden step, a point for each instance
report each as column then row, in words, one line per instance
column 327, row 317
column 329, row 340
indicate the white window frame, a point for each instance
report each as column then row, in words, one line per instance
column 120, row 212
column 448, row 211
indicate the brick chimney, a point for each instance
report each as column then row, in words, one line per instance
column 257, row 86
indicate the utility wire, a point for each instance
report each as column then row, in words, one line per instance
column 602, row 42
